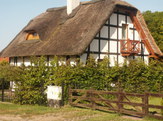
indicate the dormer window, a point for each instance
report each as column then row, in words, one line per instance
column 32, row 35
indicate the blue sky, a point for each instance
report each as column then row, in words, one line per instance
column 15, row 14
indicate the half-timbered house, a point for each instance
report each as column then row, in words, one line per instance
column 99, row 28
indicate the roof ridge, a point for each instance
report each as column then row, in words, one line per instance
column 55, row 9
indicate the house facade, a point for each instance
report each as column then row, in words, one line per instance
column 101, row 28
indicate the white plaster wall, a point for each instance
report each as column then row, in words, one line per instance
column 12, row 61
column 102, row 56
column 122, row 20
column 119, row 47
column 145, row 49
column 19, row 61
column 94, row 45
column 104, row 32
column 83, row 58
column 113, row 59
column 113, row 46
column 129, row 22
column 121, row 60
column 120, row 33
column 130, row 36
column 104, row 46
column 137, row 37
column 27, row 61
column 73, row 61
column 146, row 60
column 113, row 19
column 113, row 33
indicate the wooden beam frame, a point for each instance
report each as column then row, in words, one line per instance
column 140, row 31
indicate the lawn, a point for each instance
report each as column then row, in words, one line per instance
column 14, row 112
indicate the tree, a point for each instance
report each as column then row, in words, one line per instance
column 154, row 22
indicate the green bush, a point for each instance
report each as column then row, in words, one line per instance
column 32, row 81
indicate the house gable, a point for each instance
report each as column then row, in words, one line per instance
column 70, row 35
column 107, row 42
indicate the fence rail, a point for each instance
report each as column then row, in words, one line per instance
column 119, row 102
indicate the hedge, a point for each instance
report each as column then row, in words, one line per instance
column 32, row 81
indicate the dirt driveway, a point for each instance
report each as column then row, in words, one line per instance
column 46, row 117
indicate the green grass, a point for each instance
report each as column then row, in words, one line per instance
column 152, row 101
column 67, row 113
column 9, row 108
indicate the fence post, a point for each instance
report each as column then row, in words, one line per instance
column 91, row 94
column 69, row 95
column 62, row 94
column 145, row 102
column 3, row 89
column 120, row 97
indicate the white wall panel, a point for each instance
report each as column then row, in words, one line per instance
column 12, row 61
column 113, row 60
column 129, row 22
column 27, row 61
column 119, row 47
column 137, row 37
column 73, row 62
column 83, row 58
column 145, row 50
column 94, row 45
column 130, row 34
column 121, row 60
column 19, row 61
column 122, row 20
column 146, row 60
column 113, row 19
column 113, row 46
column 120, row 33
column 104, row 32
column 102, row 56
column 104, row 46
column 113, row 32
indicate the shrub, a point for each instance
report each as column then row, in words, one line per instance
column 32, row 81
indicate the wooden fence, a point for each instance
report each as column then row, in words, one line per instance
column 120, row 102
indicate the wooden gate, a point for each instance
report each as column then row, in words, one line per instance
column 120, row 102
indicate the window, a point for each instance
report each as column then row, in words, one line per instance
column 125, row 31
column 32, row 35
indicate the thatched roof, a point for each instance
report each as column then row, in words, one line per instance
column 61, row 34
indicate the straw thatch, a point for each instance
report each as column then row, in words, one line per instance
column 61, row 34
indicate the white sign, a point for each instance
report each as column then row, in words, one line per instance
column 54, row 92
